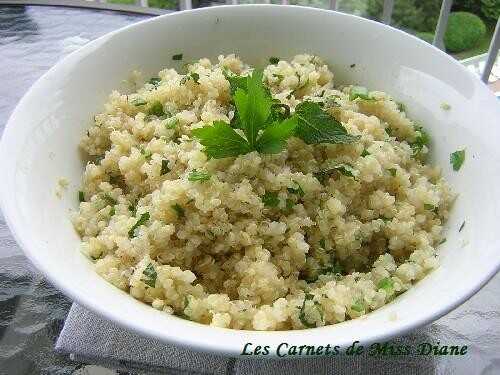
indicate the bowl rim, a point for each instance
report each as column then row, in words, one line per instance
column 222, row 347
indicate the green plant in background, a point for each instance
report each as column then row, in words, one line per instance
column 488, row 9
column 426, row 36
column 163, row 4
column 417, row 15
column 464, row 31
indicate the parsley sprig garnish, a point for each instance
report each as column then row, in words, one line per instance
column 266, row 124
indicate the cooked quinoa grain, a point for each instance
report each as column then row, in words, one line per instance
column 313, row 235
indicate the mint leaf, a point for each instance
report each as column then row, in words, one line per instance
column 221, row 141
column 254, row 106
column 198, row 176
column 273, row 139
column 457, row 158
column 142, row 220
column 270, row 199
column 317, row 126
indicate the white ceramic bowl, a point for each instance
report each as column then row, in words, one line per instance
column 40, row 145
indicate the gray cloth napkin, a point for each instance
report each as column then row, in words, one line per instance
column 91, row 339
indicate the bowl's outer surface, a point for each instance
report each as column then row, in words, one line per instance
column 39, row 146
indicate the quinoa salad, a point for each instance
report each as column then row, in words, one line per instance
column 259, row 199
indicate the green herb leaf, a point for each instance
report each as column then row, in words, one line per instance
column 386, row 284
column 359, row 92
column 172, row 123
column 429, row 207
column 457, row 158
column 422, row 139
column 317, row 126
column 193, row 76
column 146, row 153
column 198, row 176
column 392, row 171
column 177, row 57
column 365, row 153
column 155, row 81
column 221, row 141
column 401, row 106
column 156, row 109
column 81, row 196
column 442, row 241
column 273, row 139
column 112, row 212
column 164, row 167
column 302, row 315
column 322, row 243
column 270, row 199
column 274, row 60
column 109, row 199
column 138, row 102
column 289, row 203
column 236, row 82
column 178, row 210
column 142, row 220
column 358, row 306
column 254, row 106
column 445, row 106
column 150, row 275
column 296, row 190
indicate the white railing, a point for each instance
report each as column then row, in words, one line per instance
column 142, row 6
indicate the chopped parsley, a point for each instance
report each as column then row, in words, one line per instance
column 359, row 92
column 109, row 199
column 386, row 283
column 155, row 81
column 198, row 176
column 365, row 153
column 422, row 139
column 358, row 306
column 457, row 158
column 191, row 76
column 401, row 106
column 81, row 196
column 164, row 167
column 112, row 211
column 322, row 243
column 442, row 241
column 392, row 171
column 352, row 65
column 270, row 199
column 289, row 204
column 172, row 123
column 156, row 109
column 138, row 102
column 302, row 315
column 445, row 106
column 150, row 276
column 296, row 190
column 146, row 153
column 178, row 210
column 141, row 221
column 177, row 57
column 461, row 227
column 274, row 60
